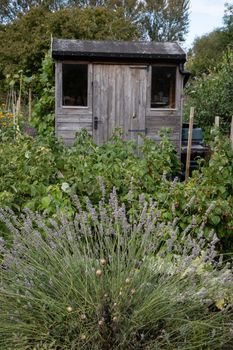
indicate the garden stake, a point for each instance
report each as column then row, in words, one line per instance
column 231, row 137
column 190, row 138
column 217, row 121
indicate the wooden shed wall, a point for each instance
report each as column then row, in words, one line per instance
column 70, row 120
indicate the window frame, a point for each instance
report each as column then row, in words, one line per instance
column 88, row 71
column 163, row 65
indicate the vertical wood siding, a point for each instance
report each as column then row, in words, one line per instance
column 119, row 96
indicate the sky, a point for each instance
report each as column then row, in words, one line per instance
column 205, row 15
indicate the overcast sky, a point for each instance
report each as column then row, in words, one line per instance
column 205, row 15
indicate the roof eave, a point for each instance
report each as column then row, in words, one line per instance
column 106, row 55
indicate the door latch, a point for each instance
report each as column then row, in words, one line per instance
column 96, row 123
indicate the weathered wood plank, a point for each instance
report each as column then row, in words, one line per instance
column 74, row 119
column 96, row 92
column 58, row 86
column 70, row 111
column 70, row 134
column 112, row 96
column 155, row 123
column 162, row 112
column 104, row 104
column 73, row 126
column 89, row 89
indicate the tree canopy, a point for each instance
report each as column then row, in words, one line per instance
column 212, row 94
column 25, row 41
column 166, row 20
column 26, row 25
column 11, row 9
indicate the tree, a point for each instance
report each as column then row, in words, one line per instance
column 24, row 42
column 228, row 23
column 212, row 94
column 157, row 20
column 26, row 25
column 11, row 9
column 166, row 20
column 206, row 52
column 228, row 17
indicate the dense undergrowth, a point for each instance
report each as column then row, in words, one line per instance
column 104, row 248
column 42, row 174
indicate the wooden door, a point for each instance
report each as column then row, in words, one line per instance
column 119, row 100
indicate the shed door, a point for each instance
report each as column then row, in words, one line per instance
column 119, row 100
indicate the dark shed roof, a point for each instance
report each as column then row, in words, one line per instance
column 93, row 49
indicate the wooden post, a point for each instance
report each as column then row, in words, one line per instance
column 217, row 122
column 231, row 137
column 29, row 103
column 18, row 105
column 190, row 139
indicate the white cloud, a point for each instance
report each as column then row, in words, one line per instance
column 208, row 7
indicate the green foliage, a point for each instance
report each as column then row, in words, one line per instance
column 7, row 125
column 27, row 25
column 43, row 117
column 103, row 281
column 92, row 24
column 42, row 173
column 118, row 165
column 228, row 19
column 212, row 94
column 25, row 41
column 206, row 52
column 28, row 174
column 208, row 196
column 166, row 20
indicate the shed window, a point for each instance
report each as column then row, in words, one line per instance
column 163, row 87
column 74, row 84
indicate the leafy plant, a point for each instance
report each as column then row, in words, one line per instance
column 42, row 174
column 43, row 117
column 119, row 165
column 212, row 94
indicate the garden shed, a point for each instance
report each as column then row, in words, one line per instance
column 103, row 85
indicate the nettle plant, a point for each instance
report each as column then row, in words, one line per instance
column 104, row 280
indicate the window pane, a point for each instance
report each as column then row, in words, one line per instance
column 163, row 84
column 74, row 84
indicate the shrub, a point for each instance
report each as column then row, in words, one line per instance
column 40, row 173
column 212, row 94
column 8, row 127
column 120, row 164
column 106, row 281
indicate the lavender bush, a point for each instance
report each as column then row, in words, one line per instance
column 105, row 280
